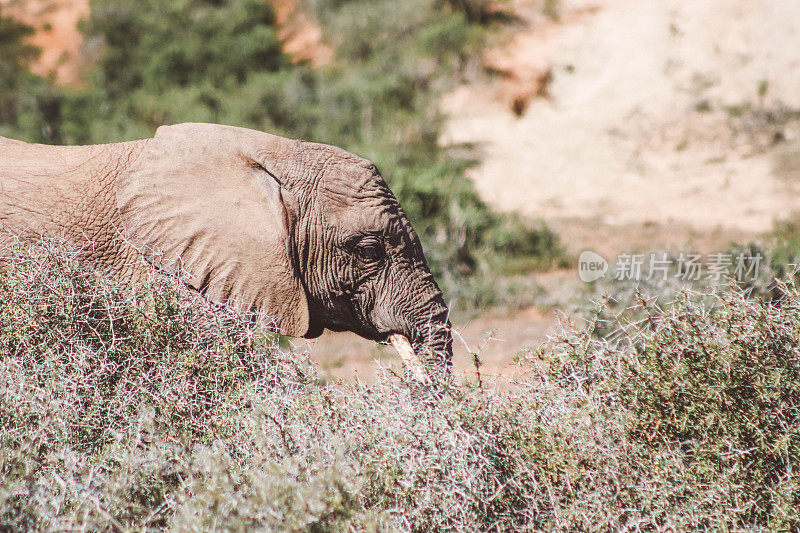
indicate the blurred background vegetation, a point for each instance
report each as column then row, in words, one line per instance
column 157, row 63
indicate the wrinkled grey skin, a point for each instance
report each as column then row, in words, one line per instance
column 307, row 233
column 349, row 290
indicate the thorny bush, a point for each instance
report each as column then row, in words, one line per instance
column 152, row 409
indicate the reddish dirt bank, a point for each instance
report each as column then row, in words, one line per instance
column 56, row 25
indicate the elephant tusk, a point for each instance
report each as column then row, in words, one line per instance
column 409, row 357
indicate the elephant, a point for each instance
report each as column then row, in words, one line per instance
column 306, row 233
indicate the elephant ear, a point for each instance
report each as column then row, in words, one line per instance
column 204, row 200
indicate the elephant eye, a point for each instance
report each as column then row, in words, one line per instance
column 370, row 251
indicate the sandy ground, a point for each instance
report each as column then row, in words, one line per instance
column 677, row 120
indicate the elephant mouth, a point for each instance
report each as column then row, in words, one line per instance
column 383, row 338
column 415, row 346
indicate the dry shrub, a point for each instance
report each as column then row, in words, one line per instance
column 708, row 386
column 101, row 387
column 157, row 410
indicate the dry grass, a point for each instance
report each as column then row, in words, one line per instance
column 158, row 411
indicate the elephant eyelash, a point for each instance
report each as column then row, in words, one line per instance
column 370, row 249
column 358, row 240
column 372, row 253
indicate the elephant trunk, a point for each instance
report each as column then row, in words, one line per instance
column 426, row 341
column 440, row 352
column 434, row 340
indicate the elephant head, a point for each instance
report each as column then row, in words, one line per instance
column 307, row 233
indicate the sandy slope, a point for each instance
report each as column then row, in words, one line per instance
column 668, row 120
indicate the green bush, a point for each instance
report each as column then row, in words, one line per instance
column 27, row 102
column 785, row 242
